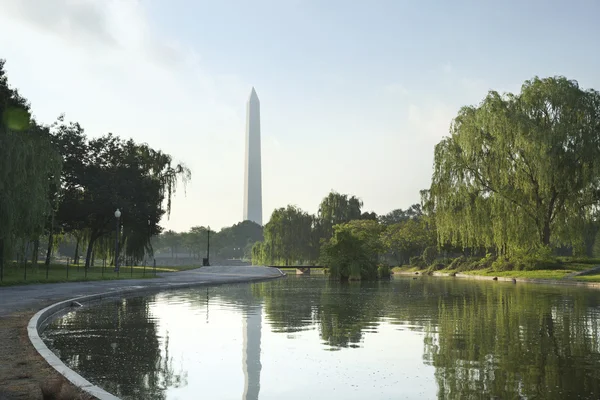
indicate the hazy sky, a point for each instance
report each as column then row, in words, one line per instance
column 354, row 94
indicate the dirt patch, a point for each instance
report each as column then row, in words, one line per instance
column 24, row 374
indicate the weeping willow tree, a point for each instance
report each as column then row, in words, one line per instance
column 337, row 209
column 28, row 165
column 520, row 171
column 352, row 253
column 287, row 238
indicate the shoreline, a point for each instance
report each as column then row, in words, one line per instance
column 562, row 281
column 30, row 364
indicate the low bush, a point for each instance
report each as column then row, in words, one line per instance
column 436, row 267
column 429, row 255
column 417, row 261
column 383, row 271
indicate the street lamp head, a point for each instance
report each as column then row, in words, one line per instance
column 118, row 213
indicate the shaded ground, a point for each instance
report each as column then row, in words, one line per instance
column 23, row 371
column 56, row 273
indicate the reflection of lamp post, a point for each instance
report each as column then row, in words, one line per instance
column 208, row 247
column 118, row 217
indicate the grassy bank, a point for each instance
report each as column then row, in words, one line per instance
column 561, row 270
column 19, row 275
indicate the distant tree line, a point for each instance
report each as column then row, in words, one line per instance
column 353, row 244
column 234, row 242
column 56, row 181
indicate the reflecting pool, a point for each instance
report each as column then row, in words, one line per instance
column 310, row 338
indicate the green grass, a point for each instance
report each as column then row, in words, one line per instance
column 559, row 272
column 537, row 274
column 588, row 278
column 15, row 275
column 406, row 268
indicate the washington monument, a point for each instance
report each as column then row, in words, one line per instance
column 252, row 172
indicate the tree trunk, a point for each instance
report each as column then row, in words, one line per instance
column 2, row 259
column 49, row 251
column 76, row 257
column 546, row 234
column 25, row 252
column 35, row 253
column 88, row 255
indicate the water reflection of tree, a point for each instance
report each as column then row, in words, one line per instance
column 347, row 310
column 99, row 345
column 342, row 311
column 515, row 343
column 289, row 303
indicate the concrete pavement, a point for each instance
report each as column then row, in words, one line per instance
column 33, row 297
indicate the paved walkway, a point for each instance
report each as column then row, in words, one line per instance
column 33, row 297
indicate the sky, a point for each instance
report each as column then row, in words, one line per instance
column 354, row 94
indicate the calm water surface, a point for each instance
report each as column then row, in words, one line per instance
column 309, row 338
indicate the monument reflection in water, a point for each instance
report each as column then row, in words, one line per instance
column 299, row 338
column 251, row 356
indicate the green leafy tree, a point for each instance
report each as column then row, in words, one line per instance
column 399, row 215
column 520, row 171
column 29, row 165
column 407, row 239
column 337, row 209
column 107, row 173
column 287, row 237
column 352, row 253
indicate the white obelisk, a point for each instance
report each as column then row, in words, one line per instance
column 252, row 173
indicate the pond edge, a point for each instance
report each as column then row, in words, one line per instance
column 46, row 315
column 560, row 282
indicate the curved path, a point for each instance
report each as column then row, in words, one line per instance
column 17, row 299
column 29, row 297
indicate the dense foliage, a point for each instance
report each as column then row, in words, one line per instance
column 29, row 167
column 55, row 181
column 353, row 244
column 520, row 171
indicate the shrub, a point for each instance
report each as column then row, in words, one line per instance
column 436, row 267
column 417, row 261
column 504, row 264
column 383, row 271
column 487, row 261
column 429, row 255
column 535, row 259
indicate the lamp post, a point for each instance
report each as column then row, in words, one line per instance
column 208, row 247
column 118, row 217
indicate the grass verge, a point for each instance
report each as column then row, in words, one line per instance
column 588, row 278
column 19, row 275
column 559, row 272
